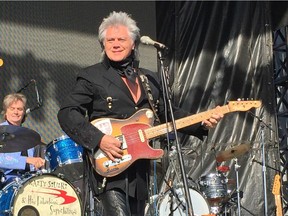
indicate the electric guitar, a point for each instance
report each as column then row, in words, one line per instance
column 135, row 132
column 276, row 192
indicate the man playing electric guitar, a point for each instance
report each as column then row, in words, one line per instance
column 113, row 92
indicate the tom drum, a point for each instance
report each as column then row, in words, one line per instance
column 65, row 157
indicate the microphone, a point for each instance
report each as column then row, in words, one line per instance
column 29, row 110
column 148, row 41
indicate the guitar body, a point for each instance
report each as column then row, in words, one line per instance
column 136, row 131
column 135, row 145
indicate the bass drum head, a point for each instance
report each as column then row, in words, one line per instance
column 170, row 202
column 46, row 195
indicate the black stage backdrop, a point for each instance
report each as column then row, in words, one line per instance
column 219, row 52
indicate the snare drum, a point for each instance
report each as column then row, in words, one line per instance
column 214, row 186
column 65, row 157
column 177, row 203
column 39, row 196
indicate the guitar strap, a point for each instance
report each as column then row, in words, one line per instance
column 148, row 92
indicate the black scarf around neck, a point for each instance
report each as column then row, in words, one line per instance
column 126, row 68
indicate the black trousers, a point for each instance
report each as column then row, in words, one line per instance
column 115, row 204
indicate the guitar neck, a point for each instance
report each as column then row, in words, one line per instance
column 276, row 191
column 184, row 122
column 278, row 205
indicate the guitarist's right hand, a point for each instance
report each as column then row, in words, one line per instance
column 111, row 147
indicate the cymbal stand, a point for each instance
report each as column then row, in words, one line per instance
column 167, row 98
column 170, row 173
column 169, row 182
column 237, row 166
column 166, row 186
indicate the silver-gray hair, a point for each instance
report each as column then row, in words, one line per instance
column 11, row 98
column 120, row 18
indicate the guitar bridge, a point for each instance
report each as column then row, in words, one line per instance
column 118, row 161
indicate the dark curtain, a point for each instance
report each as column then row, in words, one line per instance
column 220, row 52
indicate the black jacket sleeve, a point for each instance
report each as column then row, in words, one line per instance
column 72, row 116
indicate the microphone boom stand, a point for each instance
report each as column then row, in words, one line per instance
column 166, row 93
column 264, row 169
column 262, row 125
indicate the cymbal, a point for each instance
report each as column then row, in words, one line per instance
column 233, row 152
column 17, row 138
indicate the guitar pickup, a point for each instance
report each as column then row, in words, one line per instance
column 118, row 161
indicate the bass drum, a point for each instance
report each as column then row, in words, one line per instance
column 39, row 196
column 175, row 204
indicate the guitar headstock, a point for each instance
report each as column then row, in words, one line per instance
column 276, row 185
column 240, row 105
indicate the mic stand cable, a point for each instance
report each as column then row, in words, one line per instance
column 167, row 95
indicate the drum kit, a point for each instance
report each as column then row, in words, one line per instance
column 47, row 191
column 212, row 194
column 52, row 191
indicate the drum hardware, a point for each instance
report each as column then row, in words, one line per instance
column 171, row 199
column 237, row 166
column 2, row 177
column 17, row 138
column 175, row 203
column 233, row 153
column 155, row 199
column 59, row 175
column 4, row 137
column 232, row 203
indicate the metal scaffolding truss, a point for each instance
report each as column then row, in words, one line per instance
column 280, row 53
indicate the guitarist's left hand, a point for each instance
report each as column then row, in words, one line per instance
column 213, row 120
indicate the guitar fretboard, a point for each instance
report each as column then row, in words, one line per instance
column 184, row 122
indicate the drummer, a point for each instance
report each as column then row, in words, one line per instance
column 15, row 164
